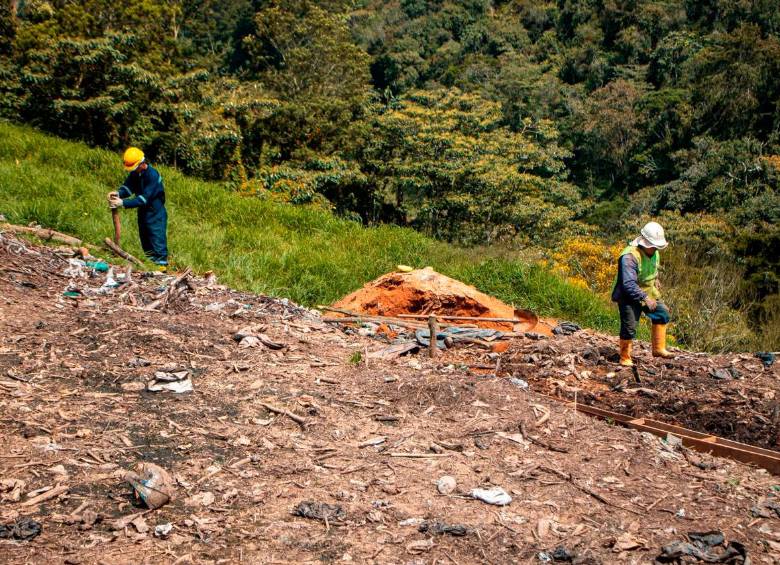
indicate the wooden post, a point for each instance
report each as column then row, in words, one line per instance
column 433, row 328
column 117, row 225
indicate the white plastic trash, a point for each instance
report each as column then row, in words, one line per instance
column 495, row 495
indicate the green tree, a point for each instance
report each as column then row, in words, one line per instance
column 447, row 164
column 735, row 81
column 87, row 89
column 305, row 56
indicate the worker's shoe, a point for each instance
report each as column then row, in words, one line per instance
column 625, row 352
column 659, row 342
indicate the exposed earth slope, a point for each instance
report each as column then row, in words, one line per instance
column 373, row 439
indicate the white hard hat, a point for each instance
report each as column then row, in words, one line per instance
column 653, row 236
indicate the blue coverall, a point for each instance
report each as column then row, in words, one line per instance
column 147, row 186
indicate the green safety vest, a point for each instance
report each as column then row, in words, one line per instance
column 648, row 270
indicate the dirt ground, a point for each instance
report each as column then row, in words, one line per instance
column 373, row 438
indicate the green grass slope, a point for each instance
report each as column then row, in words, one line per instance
column 305, row 254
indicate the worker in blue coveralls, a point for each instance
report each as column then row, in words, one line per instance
column 145, row 185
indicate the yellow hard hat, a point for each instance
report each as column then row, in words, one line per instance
column 132, row 158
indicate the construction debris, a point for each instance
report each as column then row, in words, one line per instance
column 566, row 328
column 22, row 530
column 704, row 547
column 151, row 483
column 176, row 382
column 74, row 418
column 495, row 495
column 440, row 528
column 319, row 511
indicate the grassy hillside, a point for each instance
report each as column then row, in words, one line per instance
column 302, row 253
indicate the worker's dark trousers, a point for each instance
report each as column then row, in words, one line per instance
column 629, row 317
column 152, row 229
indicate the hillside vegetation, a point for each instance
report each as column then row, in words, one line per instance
column 553, row 127
column 300, row 252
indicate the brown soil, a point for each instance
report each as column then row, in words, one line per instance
column 680, row 391
column 424, row 291
column 69, row 397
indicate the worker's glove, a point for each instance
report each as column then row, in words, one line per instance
column 651, row 304
column 115, row 202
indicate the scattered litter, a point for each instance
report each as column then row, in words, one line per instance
column 446, row 484
column 766, row 509
column 411, row 522
column 395, row 350
column 136, row 362
column 176, row 382
column 152, row 484
column 703, row 547
column 97, row 266
column 495, row 495
column 725, row 374
column 566, row 328
column 520, row 383
column 163, row 530
column 441, row 528
column 75, row 269
column 562, row 555
column 253, row 336
column 420, row 546
column 22, row 530
column 319, row 511
column 373, row 441
column 423, row 336
column 535, row 336
column 766, row 357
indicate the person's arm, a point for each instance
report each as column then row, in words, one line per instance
column 125, row 191
column 149, row 185
column 629, row 273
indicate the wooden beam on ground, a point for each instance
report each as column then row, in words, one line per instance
column 43, row 233
column 121, row 252
column 704, row 443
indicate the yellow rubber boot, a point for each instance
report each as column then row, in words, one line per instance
column 659, row 342
column 625, row 352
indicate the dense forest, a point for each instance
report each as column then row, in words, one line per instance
column 555, row 127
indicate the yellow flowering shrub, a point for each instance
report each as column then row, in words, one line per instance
column 588, row 263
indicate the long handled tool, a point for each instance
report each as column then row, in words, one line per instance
column 117, row 225
column 114, row 245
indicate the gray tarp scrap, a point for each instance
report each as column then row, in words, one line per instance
column 319, row 511
column 704, row 547
column 22, row 529
column 442, row 528
column 424, row 335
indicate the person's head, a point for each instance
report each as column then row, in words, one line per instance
column 133, row 160
column 652, row 238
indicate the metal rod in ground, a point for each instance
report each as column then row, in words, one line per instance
column 433, row 328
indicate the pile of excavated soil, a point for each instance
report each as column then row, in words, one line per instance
column 424, row 291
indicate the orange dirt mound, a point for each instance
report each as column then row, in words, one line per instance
column 424, row 291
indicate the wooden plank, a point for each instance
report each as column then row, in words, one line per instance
column 705, row 443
